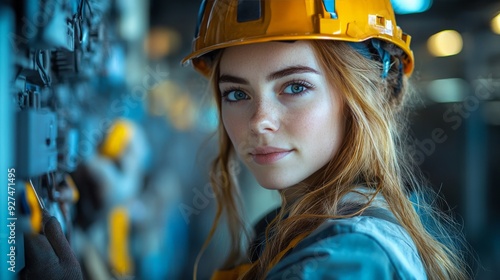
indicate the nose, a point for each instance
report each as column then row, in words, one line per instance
column 265, row 118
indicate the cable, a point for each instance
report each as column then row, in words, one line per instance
column 43, row 74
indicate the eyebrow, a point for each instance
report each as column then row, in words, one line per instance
column 297, row 69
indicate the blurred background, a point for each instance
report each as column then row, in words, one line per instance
column 102, row 127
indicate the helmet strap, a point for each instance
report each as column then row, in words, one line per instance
column 375, row 50
column 383, row 55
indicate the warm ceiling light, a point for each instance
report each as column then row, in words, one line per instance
column 495, row 24
column 161, row 41
column 445, row 43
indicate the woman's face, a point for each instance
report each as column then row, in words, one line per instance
column 282, row 116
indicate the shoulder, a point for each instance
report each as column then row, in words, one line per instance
column 356, row 248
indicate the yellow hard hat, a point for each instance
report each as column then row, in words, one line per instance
column 226, row 23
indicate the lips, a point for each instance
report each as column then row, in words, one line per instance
column 268, row 155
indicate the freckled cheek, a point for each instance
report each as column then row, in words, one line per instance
column 319, row 131
column 233, row 126
column 311, row 121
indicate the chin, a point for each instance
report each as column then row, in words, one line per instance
column 273, row 184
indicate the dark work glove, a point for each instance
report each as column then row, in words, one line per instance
column 49, row 255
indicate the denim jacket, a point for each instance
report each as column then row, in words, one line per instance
column 362, row 247
column 370, row 246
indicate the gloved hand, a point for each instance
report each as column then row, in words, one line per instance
column 49, row 255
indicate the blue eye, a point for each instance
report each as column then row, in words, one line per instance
column 235, row 95
column 294, row 89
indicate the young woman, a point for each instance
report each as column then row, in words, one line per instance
column 310, row 95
